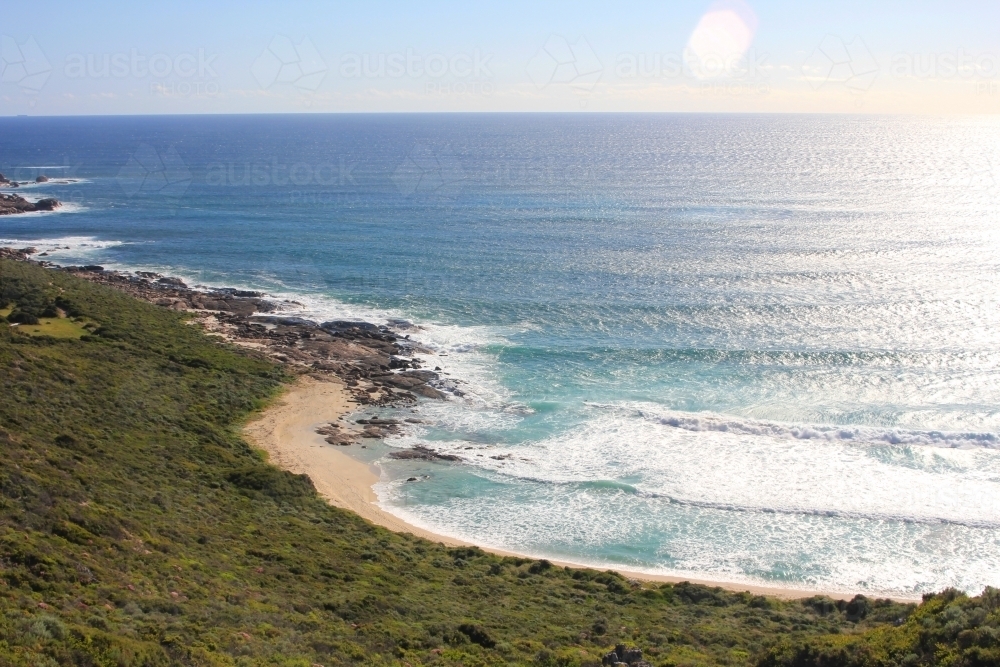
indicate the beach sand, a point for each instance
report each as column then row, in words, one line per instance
column 287, row 432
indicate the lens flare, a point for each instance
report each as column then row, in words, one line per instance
column 720, row 40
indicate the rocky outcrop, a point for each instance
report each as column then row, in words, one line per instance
column 175, row 282
column 337, row 434
column 42, row 179
column 19, row 254
column 423, row 453
column 13, row 204
column 624, row 656
column 428, row 391
column 47, row 204
column 173, row 293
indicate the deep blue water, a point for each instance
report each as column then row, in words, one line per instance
column 751, row 348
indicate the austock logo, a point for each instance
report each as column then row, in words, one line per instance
column 957, row 65
column 274, row 173
column 136, row 65
column 979, row 172
column 23, row 64
column 298, row 65
column 429, row 173
column 149, row 173
column 560, row 62
column 410, row 64
column 836, row 62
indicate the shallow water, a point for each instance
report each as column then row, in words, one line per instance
column 745, row 348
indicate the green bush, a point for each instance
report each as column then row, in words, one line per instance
column 19, row 316
column 272, row 482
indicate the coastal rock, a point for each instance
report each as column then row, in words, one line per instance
column 422, row 453
column 406, row 379
column 336, row 435
column 400, row 324
column 208, row 304
column 175, row 282
column 14, row 204
column 242, row 307
column 427, row 391
column 397, row 380
column 346, row 325
column 20, row 254
column 42, row 179
column 400, row 362
column 47, row 204
column 423, row 376
column 285, row 321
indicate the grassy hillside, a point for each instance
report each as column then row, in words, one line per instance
column 136, row 527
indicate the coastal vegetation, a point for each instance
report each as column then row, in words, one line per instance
column 138, row 528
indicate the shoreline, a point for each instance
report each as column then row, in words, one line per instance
column 286, row 431
column 341, row 367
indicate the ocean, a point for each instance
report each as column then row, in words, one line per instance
column 761, row 349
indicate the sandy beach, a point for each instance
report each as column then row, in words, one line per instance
column 286, row 430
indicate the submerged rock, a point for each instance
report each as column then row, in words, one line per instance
column 423, row 453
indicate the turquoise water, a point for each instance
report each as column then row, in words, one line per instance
column 745, row 348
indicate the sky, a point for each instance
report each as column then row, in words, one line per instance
column 62, row 58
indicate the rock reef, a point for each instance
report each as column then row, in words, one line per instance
column 13, row 204
column 41, row 178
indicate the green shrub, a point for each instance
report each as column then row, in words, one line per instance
column 278, row 484
column 19, row 316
